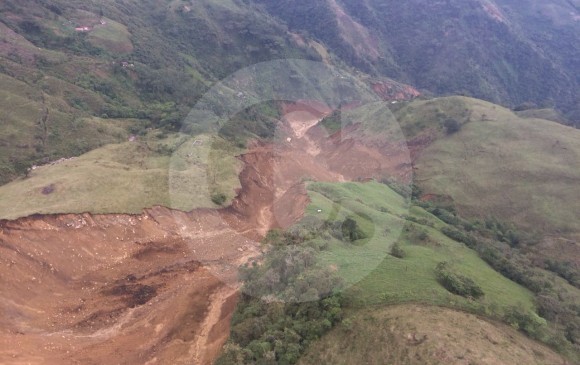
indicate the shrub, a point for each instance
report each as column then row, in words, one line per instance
column 459, row 236
column 451, row 126
column 566, row 270
column 457, row 283
column 446, row 216
column 219, row 198
column 397, row 251
column 351, row 230
column 528, row 322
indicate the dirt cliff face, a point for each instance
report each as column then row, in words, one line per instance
column 160, row 287
column 117, row 289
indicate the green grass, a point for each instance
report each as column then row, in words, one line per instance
column 128, row 177
column 412, row 279
column 338, row 201
column 379, row 278
column 498, row 164
column 422, row 335
column 112, row 36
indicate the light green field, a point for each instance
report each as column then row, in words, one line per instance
column 128, row 177
column 379, row 278
column 338, row 201
column 522, row 170
column 412, row 279
column 112, row 36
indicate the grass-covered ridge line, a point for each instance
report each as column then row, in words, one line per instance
column 424, row 335
column 497, row 164
column 178, row 171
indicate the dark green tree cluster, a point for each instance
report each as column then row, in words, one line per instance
column 290, row 299
column 506, row 249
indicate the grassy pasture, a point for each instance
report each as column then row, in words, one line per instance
column 523, row 170
column 112, row 36
column 378, row 278
column 176, row 172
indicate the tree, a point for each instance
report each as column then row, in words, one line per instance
column 219, row 198
column 351, row 230
column 451, row 126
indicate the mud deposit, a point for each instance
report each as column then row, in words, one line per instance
column 150, row 288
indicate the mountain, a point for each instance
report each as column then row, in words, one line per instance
column 504, row 51
column 101, row 67
column 77, row 75
column 91, row 73
column 334, row 227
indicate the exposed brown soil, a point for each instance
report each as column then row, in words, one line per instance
column 84, row 289
column 392, row 90
column 151, row 288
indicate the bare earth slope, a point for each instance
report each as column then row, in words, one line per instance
column 149, row 288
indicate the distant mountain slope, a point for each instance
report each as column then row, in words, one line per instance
column 497, row 164
column 142, row 60
column 64, row 63
column 504, row 51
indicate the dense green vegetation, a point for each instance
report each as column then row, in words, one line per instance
column 289, row 301
column 507, row 250
column 141, row 60
column 457, row 283
column 439, row 259
column 152, row 61
column 478, row 49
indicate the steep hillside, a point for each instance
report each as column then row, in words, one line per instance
column 504, row 51
column 415, row 335
column 73, row 71
column 497, row 164
column 69, row 67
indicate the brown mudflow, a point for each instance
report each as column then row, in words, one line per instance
column 144, row 289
